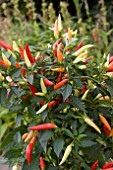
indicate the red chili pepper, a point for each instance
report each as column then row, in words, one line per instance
column 67, row 100
column 43, row 126
column 55, row 53
column 94, row 165
column 59, row 79
column 108, row 169
column 111, row 59
column 107, row 165
column 60, row 84
column 52, row 103
column 84, row 88
column 21, row 53
column 32, row 89
column 5, row 45
column 42, row 102
column 79, row 46
column 42, row 163
column 48, row 82
column 24, row 97
column 23, row 71
column 105, row 129
column 2, row 63
column 56, row 43
column 30, row 56
column 110, row 67
column 17, row 65
column 29, row 149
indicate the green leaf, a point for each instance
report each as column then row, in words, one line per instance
column 67, row 91
column 3, row 129
column 3, row 95
column 15, row 91
column 44, row 136
column 75, row 101
column 62, row 106
column 87, row 143
column 78, row 83
column 109, row 85
column 34, row 164
column 30, row 78
column 58, row 145
column 68, row 132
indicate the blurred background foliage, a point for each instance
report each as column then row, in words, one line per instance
column 27, row 19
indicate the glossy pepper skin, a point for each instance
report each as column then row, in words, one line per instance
column 94, row 165
column 107, row 165
column 60, row 84
column 52, row 103
column 5, row 45
column 79, row 46
column 59, row 77
column 44, row 126
column 29, row 149
column 32, row 89
column 48, row 82
column 30, row 56
column 42, row 163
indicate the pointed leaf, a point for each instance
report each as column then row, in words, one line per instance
column 58, row 145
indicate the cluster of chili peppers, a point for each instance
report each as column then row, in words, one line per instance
column 106, row 166
column 81, row 54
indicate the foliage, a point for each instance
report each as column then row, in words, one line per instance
column 79, row 102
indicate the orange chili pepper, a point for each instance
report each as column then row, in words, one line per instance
column 30, row 135
column 60, row 84
column 105, row 122
column 58, row 69
column 24, row 135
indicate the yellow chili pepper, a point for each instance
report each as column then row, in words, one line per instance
column 5, row 59
column 66, row 153
column 59, row 23
column 43, row 87
column 91, row 123
column 78, row 52
column 42, row 109
column 56, row 30
column 1, row 77
column 27, row 61
column 40, row 94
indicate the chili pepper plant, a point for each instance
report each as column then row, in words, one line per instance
column 56, row 103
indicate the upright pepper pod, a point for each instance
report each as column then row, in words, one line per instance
column 30, row 56
column 43, row 87
column 21, row 53
column 5, row 59
column 27, row 61
column 15, row 167
column 56, row 30
column 94, row 165
column 32, row 89
column 42, row 164
column 79, row 46
column 66, row 153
